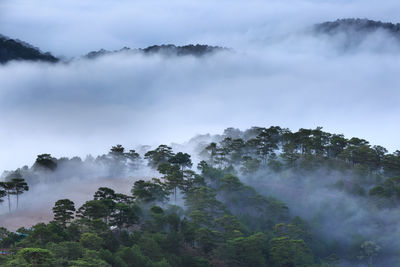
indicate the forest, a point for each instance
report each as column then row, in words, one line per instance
column 258, row 197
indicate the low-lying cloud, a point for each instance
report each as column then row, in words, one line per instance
column 86, row 106
column 278, row 74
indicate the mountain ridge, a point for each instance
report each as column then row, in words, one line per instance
column 14, row 49
column 356, row 24
column 355, row 30
column 164, row 49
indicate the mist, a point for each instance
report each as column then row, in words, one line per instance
column 277, row 73
column 277, row 70
column 301, row 80
column 340, row 218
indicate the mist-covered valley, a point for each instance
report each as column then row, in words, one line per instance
column 128, row 133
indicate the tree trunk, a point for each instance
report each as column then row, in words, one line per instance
column 9, row 204
column 175, row 194
column 17, row 200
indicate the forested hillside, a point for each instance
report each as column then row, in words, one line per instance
column 357, row 25
column 259, row 197
column 11, row 49
column 354, row 34
column 194, row 50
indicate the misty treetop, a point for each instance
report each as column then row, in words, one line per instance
column 217, row 206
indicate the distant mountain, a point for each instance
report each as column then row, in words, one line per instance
column 354, row 31
column 357, row 25
column 194, row 50
column 11, row 49
column 354, row 34
column 351, row 33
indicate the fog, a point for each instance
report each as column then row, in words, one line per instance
column 278, row 74
column 341, row 219
column 301, row 80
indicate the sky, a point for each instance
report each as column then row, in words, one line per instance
column 276, row 74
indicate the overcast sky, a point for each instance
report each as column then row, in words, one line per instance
column 278, row 74
column 74, row 27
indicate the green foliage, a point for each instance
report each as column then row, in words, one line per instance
column 65, row 251
column 132, row 256
column 248, row 251
column 284, row 251
column 91, row 241
column 223, row 221
column 90, row 258
column 149, row 191
column 63, row 211
column 45, row 162
column 162, row 154
column 32, row 257
column 182, row 160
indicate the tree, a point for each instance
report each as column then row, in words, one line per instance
column 182, row 160
column 91, row 241
column 391, row 164
column 104, row 193
column 94, row 209
column 249, row 165
column 248, row 251
column 336, row 145
column 267, row 141
column 149, row 191
column 202, row 200
column 116, row 160
column 91, row 258
column 160, row 155
column 3, row 193
column 284, row 251
column 133, row 256
column 369, row 249
column 125, row 215
column 8, row 188
column 65, row 251
column 211, row 150
column 35, row 257
column 107, row 197
column 117, row 150
column 46, row 162
column 207, row 239
column 133, row 159
column 230, row 226
column 173, row 176
column 63, row 211
column 19, row 187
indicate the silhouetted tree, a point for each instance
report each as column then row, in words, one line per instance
column 160, row 155
column 8, row 187
column 182, row 160
column 45, row 161
column 63, row 211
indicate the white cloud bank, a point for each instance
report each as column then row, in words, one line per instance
column 277, row 76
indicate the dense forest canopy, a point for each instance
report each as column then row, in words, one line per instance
column 259, row 197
